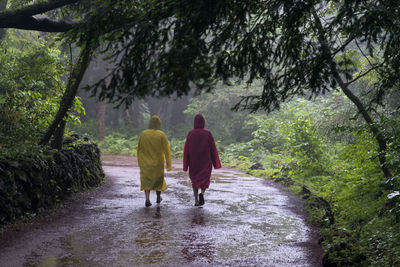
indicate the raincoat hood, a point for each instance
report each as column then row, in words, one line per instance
column 199, row 121
column 155, row 123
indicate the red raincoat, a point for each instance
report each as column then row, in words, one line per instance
column 200, row 154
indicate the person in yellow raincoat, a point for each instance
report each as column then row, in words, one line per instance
column 153, row 149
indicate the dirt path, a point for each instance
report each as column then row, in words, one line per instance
column 246, row 221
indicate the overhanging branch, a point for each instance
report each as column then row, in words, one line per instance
column 365, row 73
column 35, row 9
column 23, row 18
column 43, row 24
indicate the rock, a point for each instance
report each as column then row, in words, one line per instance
column 72, row 138
column 257, row 166
column 320, row 203
column 284, row 180
column 290, row 166
column 305, row 190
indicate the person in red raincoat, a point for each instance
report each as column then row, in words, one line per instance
column 199, row 155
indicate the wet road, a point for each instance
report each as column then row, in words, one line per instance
column 245, row 221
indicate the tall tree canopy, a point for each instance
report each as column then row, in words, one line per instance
column 309, row 47
column 162, row 47
column 294, row 47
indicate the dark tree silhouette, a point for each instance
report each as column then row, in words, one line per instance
column 294, row 47
column 23, row 18
column 161, row 48
column 3, row 5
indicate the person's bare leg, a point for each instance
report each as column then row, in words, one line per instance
column 147, row 195
column 196, row 196
column 159, row 199
column 201, row 196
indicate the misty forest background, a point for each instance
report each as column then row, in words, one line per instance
column 316, row 140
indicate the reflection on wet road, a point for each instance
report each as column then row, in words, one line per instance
column 245, row 222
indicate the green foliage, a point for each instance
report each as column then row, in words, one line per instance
column 176, row 146
column 380, row 240
column 24, row 114
column 170, row 47
column 184, row 46
column 227, row 126
column 392, row 124
column 266, row 134
column 32, row 65
column 118, row 144
column 320, row 145
column 237, row 151
column 303, row 142
column 30, row 185
column 87, row 128
column 289, row 131
column 31, row 88
column 348, row 61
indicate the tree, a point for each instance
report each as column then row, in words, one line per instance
column 294, row 47
column 216, row 108
column 100, row 118
column 161, row 48
column 31, row 87
column 170, row 110
column 24, row 18
column 97, row 70
column 74, row 80
column 3, row 5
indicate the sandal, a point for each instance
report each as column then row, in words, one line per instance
column 201, row 199
column 196, row 204
column 159, row 200
column 147, row 203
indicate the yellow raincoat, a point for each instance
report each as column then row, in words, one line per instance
column 153, row 149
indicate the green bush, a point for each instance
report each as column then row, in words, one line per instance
column 118, row 144
column 31, row 87
column 380, row 240
column 304, row 143
column 31, row 185
column 340, row 178
column 177, row 146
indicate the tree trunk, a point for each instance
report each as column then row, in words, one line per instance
column 372, row 126
column 3, row 5
column 100, row 117
column 164, row 108
column 179, row 106
column 59, row 136
column 69, row 95
column 136, row 117
column 382, row 144
column 128, row 118
column 24, row 18
column 154, row 106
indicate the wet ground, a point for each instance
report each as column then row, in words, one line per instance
column 246, row 221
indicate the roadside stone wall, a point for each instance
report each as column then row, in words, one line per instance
column 33, row 185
